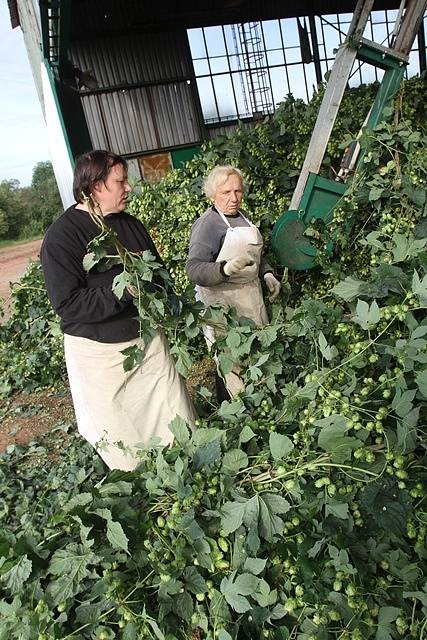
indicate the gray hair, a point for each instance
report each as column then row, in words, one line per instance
column 217, row 177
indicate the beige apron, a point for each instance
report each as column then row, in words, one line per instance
column 113, row 406
column 241, row 290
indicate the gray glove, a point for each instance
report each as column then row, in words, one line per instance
column 273, row 285
column 237, row 264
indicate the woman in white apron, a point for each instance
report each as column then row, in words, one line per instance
column 225, row 259
column 116, row 411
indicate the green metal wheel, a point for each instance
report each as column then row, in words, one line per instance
column 292, row 248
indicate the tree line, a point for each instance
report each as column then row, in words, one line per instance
column 26, row 212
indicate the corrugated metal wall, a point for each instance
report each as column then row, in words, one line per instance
column 145, row 98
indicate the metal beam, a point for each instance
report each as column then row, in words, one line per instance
column 325, row 120
column 55, row 18
column 315, row 47
column 422, row 48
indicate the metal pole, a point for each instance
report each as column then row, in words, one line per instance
column 248, row 62
column 422, row 48
column 315, row 45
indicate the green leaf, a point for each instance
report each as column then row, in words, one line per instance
column 193, row 581
column 406, row 431
column 263, row 596
column 219, row 612
column 116, row 536
column 233, row 460
column 88, row 613
column 159, row 307
column 115, row 533
column 231, row 410
column 267, row 336
column 183, row 359
column 119, row 487
column 417, row 196
column 259, row 514
column 207, row 454
column 348, row 289
column 180, row 430
column 419, row 288
column 155, row 627
column 233, row 339
column 235, row 589
column 375, row 193
column 80, row 500
column 402, row 401
column 120, row 282
column 71, row 561
column 71, row 565
column 91, row 259
column 63, row 588
column 254, row 565
column 232, row 514
column 332, row 438
column 280, row 445
column 246, row 434
column 372, row 240
column 386, row 506
column 421, row 380
column 419, row 595
column 401, row 248
column 204, row 436
column 386, row 617
column 15, row 578
column 337, row 509
column 182, row 605
column 419, row 332
column 312, row 553
column 134, row 356
column 225, row 364
column 191, row 527
column 327, row 352
column 276, row 503
column 366, row 316
column 270, row 524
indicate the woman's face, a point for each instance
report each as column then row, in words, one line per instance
column 229, row 195
column 112, row 194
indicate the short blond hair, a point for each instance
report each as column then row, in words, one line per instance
column 217, row 177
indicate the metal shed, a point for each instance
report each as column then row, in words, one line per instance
column 151, row 81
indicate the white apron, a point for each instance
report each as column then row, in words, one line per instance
column 113, row 406
column 241, row 290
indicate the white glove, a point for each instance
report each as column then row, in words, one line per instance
column 273, row 285
column 237, row 264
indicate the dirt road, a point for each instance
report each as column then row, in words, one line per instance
column 13, row 262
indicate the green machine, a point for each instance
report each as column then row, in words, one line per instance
column 315, row 197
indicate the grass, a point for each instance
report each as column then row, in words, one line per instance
column 11, row 243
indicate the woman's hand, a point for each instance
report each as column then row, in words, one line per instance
column 273, row 285
column 237, row 264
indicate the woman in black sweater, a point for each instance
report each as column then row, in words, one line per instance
column 115, row 410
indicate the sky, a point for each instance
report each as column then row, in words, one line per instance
column 23, row 138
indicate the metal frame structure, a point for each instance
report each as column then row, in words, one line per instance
column 123, row 78
column 238, row 69
column 315, row 197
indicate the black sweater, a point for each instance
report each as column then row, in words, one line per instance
column 84, row 300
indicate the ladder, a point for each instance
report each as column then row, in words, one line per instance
column 254, row 52
column 314, row 196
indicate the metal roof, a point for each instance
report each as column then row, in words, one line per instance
column 107, row 17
